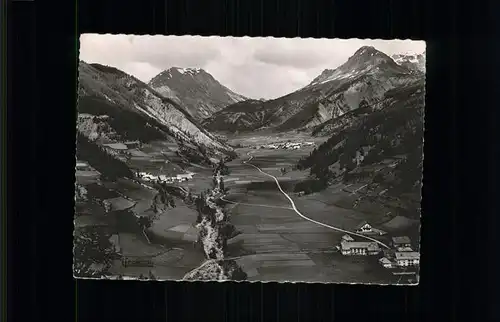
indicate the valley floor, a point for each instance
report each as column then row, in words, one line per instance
column 279, row 245
column 276, row 243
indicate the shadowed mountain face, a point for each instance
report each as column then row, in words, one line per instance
column 409, row 96
column 198, row 92
column 380, row 146
column 116, row 107
column 363, row 79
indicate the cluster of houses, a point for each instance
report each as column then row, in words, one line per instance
column 286, row 145
column 163, row 178
column 401, row 255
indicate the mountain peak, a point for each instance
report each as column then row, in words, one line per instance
column 367, row 53
column 366, row 49
column 367, row 59
column 177, row 71
column 195, row 89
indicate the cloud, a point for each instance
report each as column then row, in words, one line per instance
column 254, row 67
column 141, row 70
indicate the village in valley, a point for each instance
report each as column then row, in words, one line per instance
column 285, row 145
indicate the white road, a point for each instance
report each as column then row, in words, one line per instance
column 305, row 217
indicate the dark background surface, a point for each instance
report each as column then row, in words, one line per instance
column 459, row 270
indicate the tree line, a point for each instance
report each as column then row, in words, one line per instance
column 396, row 129
column 109, row 167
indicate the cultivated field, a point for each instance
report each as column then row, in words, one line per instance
column 275, row 244
column 278, row 245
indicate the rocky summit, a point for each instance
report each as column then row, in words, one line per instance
column 195, row 90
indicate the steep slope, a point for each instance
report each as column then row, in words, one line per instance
column 115, row 107
column 109, row 166
column 246, row 115
column 198, row 92
column 414, row 62
column 405, row 95
column 379, row 146
column 364, row 78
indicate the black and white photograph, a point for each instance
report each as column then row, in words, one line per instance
column 249, row 159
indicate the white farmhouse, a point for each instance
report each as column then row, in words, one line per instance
column 359, row 248
column 405, row 259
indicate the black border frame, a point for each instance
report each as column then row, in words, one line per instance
column 461, row 131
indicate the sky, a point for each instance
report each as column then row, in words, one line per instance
column 254, row 67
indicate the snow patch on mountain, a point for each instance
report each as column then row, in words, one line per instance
column 411, row 60
column 189, row 71
column 236, row 97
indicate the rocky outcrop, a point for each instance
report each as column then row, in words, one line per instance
column 213, row 220
column 95, row 127
column 214, row 231
column 162, row 201
column 414, row 62
column 217, row 270
column 81, row 194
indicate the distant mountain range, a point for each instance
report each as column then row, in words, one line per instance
column 184, row 105
column 195, row 90
column 414, row 62
column 116, row 107
column 363, row 79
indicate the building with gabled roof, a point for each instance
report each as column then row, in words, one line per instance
column 364, row 227
column 401, row 241
column 384, row 261
column 405, row 259
column 359, row 248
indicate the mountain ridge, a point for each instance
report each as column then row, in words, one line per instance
column 416, row 62
column 379, row 149
column 362, row 79
column 114, row 106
